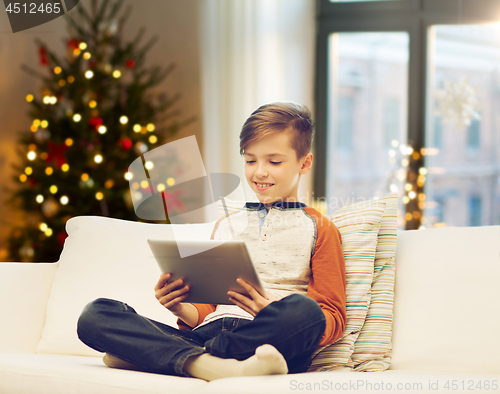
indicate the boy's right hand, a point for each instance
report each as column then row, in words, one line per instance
column 170, row 295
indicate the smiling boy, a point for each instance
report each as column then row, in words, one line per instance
column 296, row 252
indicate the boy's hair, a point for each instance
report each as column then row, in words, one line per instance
column 272, row 118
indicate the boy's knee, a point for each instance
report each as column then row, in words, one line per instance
column 93, row 315
column 303, row 309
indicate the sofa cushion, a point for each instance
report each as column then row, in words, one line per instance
column 63, row 374
column 446, row 310
column 359, row 225
column 373, row 347
column 104, row 257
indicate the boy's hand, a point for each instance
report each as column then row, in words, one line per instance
column 254, row 304
column 172, row 294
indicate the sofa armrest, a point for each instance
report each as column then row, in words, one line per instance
column 24, row 292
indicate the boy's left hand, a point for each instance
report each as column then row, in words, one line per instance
column 254, row 304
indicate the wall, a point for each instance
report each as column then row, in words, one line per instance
column 176, row 24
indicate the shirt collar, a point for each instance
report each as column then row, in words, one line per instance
column 278, row 204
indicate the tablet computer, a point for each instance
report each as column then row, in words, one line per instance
column 211, row 271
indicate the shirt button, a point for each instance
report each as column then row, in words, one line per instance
column 262, row 215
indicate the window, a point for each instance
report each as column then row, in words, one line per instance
column 346, row 120
column 425, row 77
column 475, row 211
column 473, row 134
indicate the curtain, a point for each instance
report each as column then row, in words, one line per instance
column 253, row 52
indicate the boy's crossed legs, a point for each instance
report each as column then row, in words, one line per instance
column 293, row 326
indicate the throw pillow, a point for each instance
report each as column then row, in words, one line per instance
column 105, row 257
column 373, row 347
column 359, row 225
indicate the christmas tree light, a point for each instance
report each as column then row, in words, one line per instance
column 79, row 120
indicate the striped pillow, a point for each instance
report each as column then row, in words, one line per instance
column 373, row 348
column 359, row 225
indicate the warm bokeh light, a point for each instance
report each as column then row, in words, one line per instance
column 77, row 117
column 128, row 176
column 39, row 199
column 57, row 70
column 123, row 119
column 93, row 104
column 82, row 46
column 149, row 165
column 85, row 177
column 98, row 158
column 102, row 129
column 65, row 167
column 137, row 128
column 99, row 196
column 153, row 139
column 64, row 200
column 28, row 170
column 30, row 98
column 31, row 155
column 68, row 141
column 53, row 189
column 89, row 74
column 49, row 170
column 170, row 181
column 117, row 74
column 150, row 127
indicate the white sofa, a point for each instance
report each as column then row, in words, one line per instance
column 445, row 330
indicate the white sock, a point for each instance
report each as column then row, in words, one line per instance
column 266, row 361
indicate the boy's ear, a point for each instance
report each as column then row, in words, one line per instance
column 306, row 161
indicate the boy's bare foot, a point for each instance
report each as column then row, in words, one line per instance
column 115, row 362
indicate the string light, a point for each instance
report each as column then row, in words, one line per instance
column 49, row 232
column 44, row 155
column 28, row 170
column 82, row 46
column 128, row 176
column 89, row 74
column 98, row 158
column 102, row 129
column 123, row 119
column 64, row 200
column 135, row 186
column 153, row 139
column 93, row 104
column 170, row 181
column 109, row 184
column 144, row 184
column 62, row 82
column 87, row 55
column 149, row 165
column 49, row 170
column 43, row 227
column 46, row 100
column 31, row 155
column 53, row 189
column 65, row 167
column 33, row 128
column 150, row 127
column 57, row 70
column 68, row 141
column 39, row 199
column 77, row 51
column 23, row 178
column 85, row 177
column 44, row 124
column 412, row 195
column 161, row 187
column 117, row 74
column 137, row 128
column 71, row 79
column 77, row 117
column 30, row 98
column 406, row 200
column 99, row 196
column 36, row 122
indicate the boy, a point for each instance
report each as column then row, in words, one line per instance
column 297, row 253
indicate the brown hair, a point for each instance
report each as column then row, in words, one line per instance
column 272, row 118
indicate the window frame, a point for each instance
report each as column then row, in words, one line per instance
column 411, row 16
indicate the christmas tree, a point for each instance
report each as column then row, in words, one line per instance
column 95, row 113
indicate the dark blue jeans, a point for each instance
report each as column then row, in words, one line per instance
column 294, row 325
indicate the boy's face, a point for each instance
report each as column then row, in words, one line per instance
column 272, row 169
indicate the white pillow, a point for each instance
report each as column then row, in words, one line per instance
column 105, row 257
